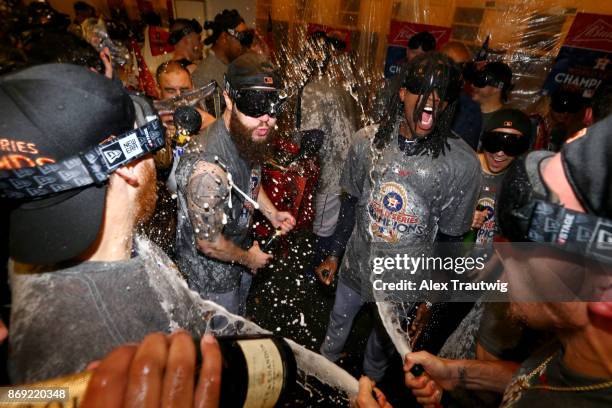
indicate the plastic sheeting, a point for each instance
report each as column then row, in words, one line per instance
column 525, row 34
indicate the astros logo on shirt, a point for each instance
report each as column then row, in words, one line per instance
column 487, row 231
column 389, row 214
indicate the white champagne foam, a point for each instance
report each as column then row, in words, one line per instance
column 165, row 278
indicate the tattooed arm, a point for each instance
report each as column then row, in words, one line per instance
column 451, row 374
column 207, row 192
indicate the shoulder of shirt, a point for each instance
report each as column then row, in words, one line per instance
column 196, row 149
column 199, row 141
column 460, row 149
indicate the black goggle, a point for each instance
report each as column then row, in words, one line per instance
column 510, row 144
column 258, row 102
column 483, row 78
column 245, row 37
column 418, row 82
column 91, row 167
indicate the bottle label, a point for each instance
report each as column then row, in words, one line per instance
column 265, row 371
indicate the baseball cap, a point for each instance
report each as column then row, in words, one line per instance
column 527, row 210
column 252, row 70
column 52, row 112
column 587, row 162
column 496, row 74
column 511, row 119
column 425, row 40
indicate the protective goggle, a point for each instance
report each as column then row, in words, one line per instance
column 256, row 102
column 510, row 144
column 575, row 232
column 245, row 37
column 419, row 82
column 483, row 78
column 91, row 167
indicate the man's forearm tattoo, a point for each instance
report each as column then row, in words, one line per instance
column 462, row 377
column 206, row 197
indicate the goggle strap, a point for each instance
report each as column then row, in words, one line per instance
column 572, row 231
column 91, row 167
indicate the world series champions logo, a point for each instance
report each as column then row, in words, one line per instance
column 390, row 218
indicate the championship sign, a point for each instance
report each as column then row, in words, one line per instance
column 584, row 60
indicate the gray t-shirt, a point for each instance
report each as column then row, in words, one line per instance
column 210, row 68
column 404, row 201
column 327, row 106
column 204, row 274
column 62, row 319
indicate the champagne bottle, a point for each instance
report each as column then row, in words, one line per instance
column 471, row 236
column 258, row 370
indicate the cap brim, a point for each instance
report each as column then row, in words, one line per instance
column 58, row 228
column 533, row 161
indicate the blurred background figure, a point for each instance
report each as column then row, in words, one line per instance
column 185, row 36
column 468, row 118
column 491, row 88
column 230, row 38
column 565, row 114
column 420, row 43
column 83, row 11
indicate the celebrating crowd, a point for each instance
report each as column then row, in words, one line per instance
column 93, row 130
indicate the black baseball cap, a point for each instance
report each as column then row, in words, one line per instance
column 500, row 71
column 252, row 70
column 49, row 113
column 511, row 119
column 587, row 162
column 425, row 40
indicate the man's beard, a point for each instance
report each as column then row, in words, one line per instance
column 242, row 136
column 147, row 197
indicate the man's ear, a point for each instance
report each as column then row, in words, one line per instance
column 128, row 174
column 402, row 94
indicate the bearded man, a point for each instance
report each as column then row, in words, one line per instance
column 218, row 188
column 82, row 280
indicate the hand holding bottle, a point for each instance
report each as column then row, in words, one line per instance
column 158, row 372
column 256, row 258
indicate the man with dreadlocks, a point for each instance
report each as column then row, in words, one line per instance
column 412, row 184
